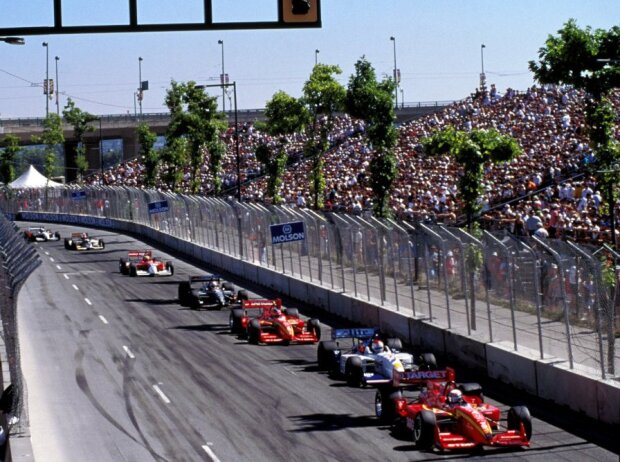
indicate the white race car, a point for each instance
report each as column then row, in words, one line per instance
column 368, row 361
column 82, row 241
column 40, row 234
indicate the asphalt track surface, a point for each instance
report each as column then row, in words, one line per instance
column 117, row 370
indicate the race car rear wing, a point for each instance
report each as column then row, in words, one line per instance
column 76, row 235
column 260, row 303
column 400, row 379
column 205, row 278
column 139, row 253
column 361, row 333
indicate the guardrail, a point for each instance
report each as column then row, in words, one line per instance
column 525, row 295
column 18, row 260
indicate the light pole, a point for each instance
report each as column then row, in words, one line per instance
column 393, row 39
column 316, row 56
column 140, row 94
column 47, row 78
column 483, row 83
column 57, row 90
column 402, row 98
column 223, row 78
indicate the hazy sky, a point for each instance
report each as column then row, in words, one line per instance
column 438, row 48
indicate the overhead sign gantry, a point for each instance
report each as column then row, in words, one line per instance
column 290, row 14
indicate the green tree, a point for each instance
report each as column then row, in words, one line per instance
column 371, row 101
column 80, row 121
column 589, row 60
column 52, row 137
column 194, row 116
column 284, row 115
column 173, row 157
column 150, row 156
column 324, row 96
column 7, row 161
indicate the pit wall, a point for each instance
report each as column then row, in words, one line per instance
column 549, row 379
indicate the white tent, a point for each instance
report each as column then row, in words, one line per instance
column 31, row 178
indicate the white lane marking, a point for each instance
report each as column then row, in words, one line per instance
column 88, row 301
column 66, row 276
column 161, row 394
column 289, row 371
column 46, row 252
column 128, row 351
column 86, row 272
column 103, row 320
column 75, row 287
column 58, row 266
column 210, row 452
column 52, row 259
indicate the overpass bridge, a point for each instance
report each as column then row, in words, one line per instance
column 123, row 127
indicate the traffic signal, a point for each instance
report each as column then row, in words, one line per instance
column 300, row 11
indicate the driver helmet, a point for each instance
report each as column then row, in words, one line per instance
column 84, row 236
column 361, row 347
column 275, row 311
column 212, row 284
column 455, row 397
column 377, row 346
column 147, row 258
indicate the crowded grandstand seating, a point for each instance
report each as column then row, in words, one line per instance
column 547, row 191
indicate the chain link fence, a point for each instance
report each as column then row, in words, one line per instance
column 550, row 297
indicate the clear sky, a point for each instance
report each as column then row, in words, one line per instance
column 438, row 48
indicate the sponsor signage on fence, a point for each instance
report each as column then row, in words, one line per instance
column 287, row 232
column 78, row 195
column 158, row 207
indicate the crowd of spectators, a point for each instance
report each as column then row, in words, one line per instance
column 545, row 191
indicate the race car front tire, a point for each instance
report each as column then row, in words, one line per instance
column 122, row 266
column 326, row 355
column 429, row 362
column 101, row 244
column 314, row 326
column 235, row 321
column 184, row 289
column 254, row 332
column 385, row 406
column 395, row 344
column 170, row 268
column 294, row 312
column 242, row 295
column 354, row 372
column 520, row 415
column 424, row 429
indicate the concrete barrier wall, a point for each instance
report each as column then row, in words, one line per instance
column 548, row 379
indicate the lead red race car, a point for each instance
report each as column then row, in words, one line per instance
column 143, row 263
column 267, row 321
column 449, row 416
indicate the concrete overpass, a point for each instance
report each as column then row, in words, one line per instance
column 123, row 127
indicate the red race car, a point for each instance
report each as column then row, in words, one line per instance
column 266, row 321
column 142, row 263
column 447, row 415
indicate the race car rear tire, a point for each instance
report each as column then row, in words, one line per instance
column 242, row 295
column 254, row 332
column 314, row 326
column 294, row 312
column 170, row 268
column 354, row 372
column 518, row 415
column 68, row 243
column 424, row 429
column 429, row 362
column 395, row 344
column 184, row 289
column 193, row 299
column 385, row 406
column 326, row 355
column 133, row 271
column 235, row 321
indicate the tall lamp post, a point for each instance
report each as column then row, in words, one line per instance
column 316, row 56
column 47, row 78
column 57, row 89
column 140, row 94
column 483, row 79
column 223, row 81
column 393, row 39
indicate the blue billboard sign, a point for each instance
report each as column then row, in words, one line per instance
column 158, row 207
column 78, row 195
column 287, row 232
